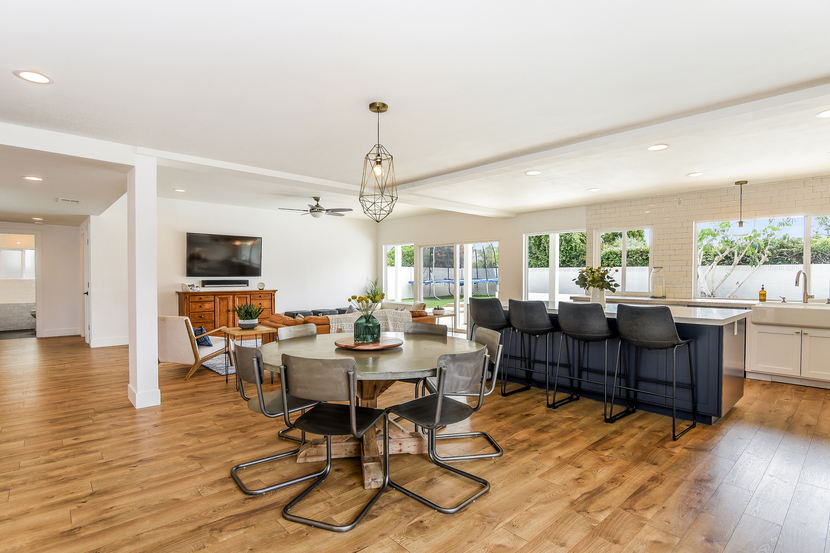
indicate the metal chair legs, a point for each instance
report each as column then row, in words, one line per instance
column 630, row 408
column 259, row 491
column 493, row 443
column 527, row 360
column 322, row 476
column 437, row 461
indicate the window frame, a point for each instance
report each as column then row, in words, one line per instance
column 597, row 255
column 526, row 260
column 807, row 238
column 23, row 268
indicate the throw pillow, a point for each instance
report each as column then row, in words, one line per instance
column 203, row 341
column 419, row 306
column 416, row 314
column 351, row 309
column 299, row 317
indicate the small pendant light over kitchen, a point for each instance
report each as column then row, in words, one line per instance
column 741, row 184
column 378, row 189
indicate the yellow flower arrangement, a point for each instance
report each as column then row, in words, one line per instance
column 597, row 277
column 366, row 304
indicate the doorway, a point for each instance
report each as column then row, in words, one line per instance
column 18, row 290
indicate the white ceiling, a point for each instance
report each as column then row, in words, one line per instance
column 479, row 92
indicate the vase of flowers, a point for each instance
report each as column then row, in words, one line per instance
column 597, row 280
column 366, row 327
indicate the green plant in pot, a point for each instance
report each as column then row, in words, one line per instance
column 438, row 310
column 248, row 315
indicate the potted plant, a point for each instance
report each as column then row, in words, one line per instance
column 597, row 280
column 438, row 310
column 248, row 315
column 366, row 327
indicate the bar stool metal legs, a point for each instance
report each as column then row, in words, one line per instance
column 674, row 385
column 580, row 346
column 527, row 360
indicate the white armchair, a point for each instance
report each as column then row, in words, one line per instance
column 177, row 344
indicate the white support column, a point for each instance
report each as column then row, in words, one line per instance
column 553, row 269
column 142, row 261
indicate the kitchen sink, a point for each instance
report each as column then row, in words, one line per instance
column 808, row 315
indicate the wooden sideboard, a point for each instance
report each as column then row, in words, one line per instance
column 214, row 309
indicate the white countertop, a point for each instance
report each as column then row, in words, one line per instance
column 693, row 315
column 696, row 302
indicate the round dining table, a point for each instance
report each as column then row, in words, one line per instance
column 416, row 357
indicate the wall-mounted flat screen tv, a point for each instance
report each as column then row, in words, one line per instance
column 219, row 255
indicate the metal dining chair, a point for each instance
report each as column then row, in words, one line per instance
column 490, row 339
column 297, row 331
column 457, row 373
column 425, row 328
column 248, row 363
column 325, row 380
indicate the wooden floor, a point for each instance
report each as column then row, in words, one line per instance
column 82, row 470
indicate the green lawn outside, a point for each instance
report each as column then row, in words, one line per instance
column 445, row 301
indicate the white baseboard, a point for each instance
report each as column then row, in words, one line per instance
column 109, row 342
column 789, row 380
column 148, row 398
column 53, row 332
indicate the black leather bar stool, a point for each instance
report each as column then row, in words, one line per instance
column 652, row 328
column 529, row 320
column 582, row 324
column 489, row 313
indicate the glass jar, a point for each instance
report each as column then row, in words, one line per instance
column 657, row 283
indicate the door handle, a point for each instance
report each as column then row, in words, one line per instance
column 86, row 293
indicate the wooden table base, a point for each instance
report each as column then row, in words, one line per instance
column 370, row 447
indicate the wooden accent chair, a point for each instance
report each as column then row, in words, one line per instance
column 177, row 344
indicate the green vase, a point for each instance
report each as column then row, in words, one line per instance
column 366, row 330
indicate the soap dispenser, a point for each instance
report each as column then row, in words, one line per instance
column 762, row 295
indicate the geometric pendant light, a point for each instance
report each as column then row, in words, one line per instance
column 378, row 189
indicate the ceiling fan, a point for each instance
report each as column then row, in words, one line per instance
column 318, row 211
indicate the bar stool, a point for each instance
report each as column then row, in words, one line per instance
column 489, row 313
column 528, row 319
column 652, row 328
column 583, row 324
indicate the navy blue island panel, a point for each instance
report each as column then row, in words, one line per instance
column 718, row 351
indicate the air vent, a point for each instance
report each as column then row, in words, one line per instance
column 68, row 201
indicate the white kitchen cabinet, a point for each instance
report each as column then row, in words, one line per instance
column 815, row 353
column 790, row 351
column 776, row 350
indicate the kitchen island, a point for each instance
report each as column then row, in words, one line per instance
column 718, row 350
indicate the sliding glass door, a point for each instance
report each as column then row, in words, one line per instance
column 450, row 272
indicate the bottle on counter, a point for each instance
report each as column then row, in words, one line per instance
column 762, row 295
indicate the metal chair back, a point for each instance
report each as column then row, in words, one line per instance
column 425, row 328
column 490, row 339
column 530, row 317
column 583, row 321
column 288, row 332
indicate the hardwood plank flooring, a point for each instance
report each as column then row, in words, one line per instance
column 82, row 470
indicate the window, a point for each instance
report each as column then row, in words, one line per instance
column 733, row 262
column 399, row 277
column 567, row 257
column 17, row 263
column 627, row 252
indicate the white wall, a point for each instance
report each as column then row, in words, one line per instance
column 108, row 322
column 58, row 277
column 452, row 228
column 313, row 263
column 672, row 219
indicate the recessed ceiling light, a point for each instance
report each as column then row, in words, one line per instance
column 33, row 77
column 32, row 178
column 823, row 114
column 533, row 173
column 657, row 147
column 695, row 174
column 179, row 190
column 593, row 190
column 37, row 218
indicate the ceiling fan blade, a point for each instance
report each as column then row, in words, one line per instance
column 333, row 214
column 306, row 213
column 339, row 210
column 292, row 209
